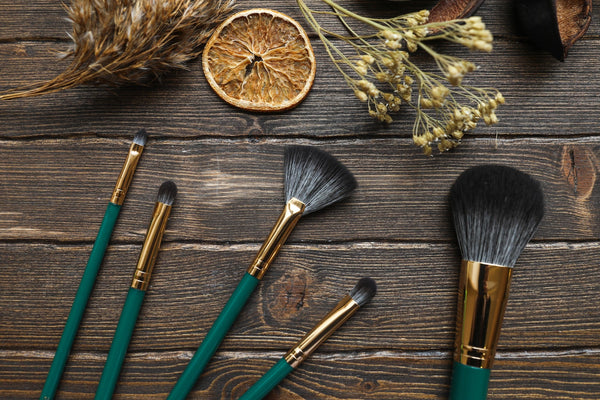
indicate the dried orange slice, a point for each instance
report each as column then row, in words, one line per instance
column 260, row 60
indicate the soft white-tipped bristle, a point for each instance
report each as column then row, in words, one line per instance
column 364, row 291
column 496, row 211
column 167, row 193
column 315, row 177
column 141, row 137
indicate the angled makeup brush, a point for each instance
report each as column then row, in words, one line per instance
column 313, row 180
column 93, row 265
column 360, row 295
column 496, row 211
column 137, row 291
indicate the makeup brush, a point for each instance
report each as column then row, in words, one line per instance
column 359, row 296
column 496, row 211
column 137, row 291
column 313, row 180
column 93, row 265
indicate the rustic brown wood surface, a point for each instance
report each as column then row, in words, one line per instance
column 60, row 154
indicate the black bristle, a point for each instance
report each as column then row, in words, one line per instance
column 364, row 291
column 496, row 211
column 141, row 137
column 315, row 177
column 167, row 193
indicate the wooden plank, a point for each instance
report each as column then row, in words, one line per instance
column 45, row 19
column 345, row 376
column 18, row 16
column 553, row 302
column 535, row 86
column 57, row 189
column 185, row 106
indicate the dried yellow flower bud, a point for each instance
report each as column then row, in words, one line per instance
column 499, row 98
column 419, row 140
column 362, row 96
column 438, row 132
column 383, row 77
column 457, row 134
column 425, row 103
column 389, row 35
column 368, row 58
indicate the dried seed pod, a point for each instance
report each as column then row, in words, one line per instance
column 554, row 25
column 446, row 10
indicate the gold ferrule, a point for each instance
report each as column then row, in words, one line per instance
column 145, row 264
column 285, row 225
column 325, row 328
column 482, row 295
column 126, row 175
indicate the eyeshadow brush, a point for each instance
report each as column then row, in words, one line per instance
column 360, row 295
column 313, row 180
column 137, row 291
column 93, row 265
column 496, row 210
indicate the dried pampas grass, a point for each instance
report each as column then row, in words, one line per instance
column 119, row 42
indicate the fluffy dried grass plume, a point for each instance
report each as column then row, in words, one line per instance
column 119, row 42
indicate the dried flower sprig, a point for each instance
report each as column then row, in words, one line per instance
column 130, row 41
column 446, row 109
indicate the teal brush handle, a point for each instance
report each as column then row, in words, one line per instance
column 268, row 381
column 214, row 337
column 79, row 304
column 469, row 383
column 120, row 342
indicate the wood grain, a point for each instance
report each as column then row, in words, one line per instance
column 193, row 282
column 60, row 155
column 340, row 376
column 536, row 88
column 57, row 189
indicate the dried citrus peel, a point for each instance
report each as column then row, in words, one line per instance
column 260, row 60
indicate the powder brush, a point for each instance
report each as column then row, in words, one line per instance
column 93, row 265
column 360, row 295
column 313, row 180
column 496, row 210
column 137, row 291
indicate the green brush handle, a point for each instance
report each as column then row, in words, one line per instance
column 120, row 342
column 469, row 383
column 214, row 337
column 268, row 381
column 79, row 304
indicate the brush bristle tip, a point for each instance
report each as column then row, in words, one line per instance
column 141, row 137
column 364, row 291
column 315, row 177
column 496, row 210
column 167, row 193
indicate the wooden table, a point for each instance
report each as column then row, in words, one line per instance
column 60, row 154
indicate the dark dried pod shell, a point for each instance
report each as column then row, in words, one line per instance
column 554, row 25
column 446, row 10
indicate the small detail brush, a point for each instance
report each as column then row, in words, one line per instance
column 360, row 295
column 313, row 180
column 137, row 291
column 93, row 265
column 496, row 211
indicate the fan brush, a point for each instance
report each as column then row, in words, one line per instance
column 496, row 211
column 313, row 180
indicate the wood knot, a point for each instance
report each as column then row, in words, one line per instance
column 579, row 170
column 288, row 295
column 368, row 386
